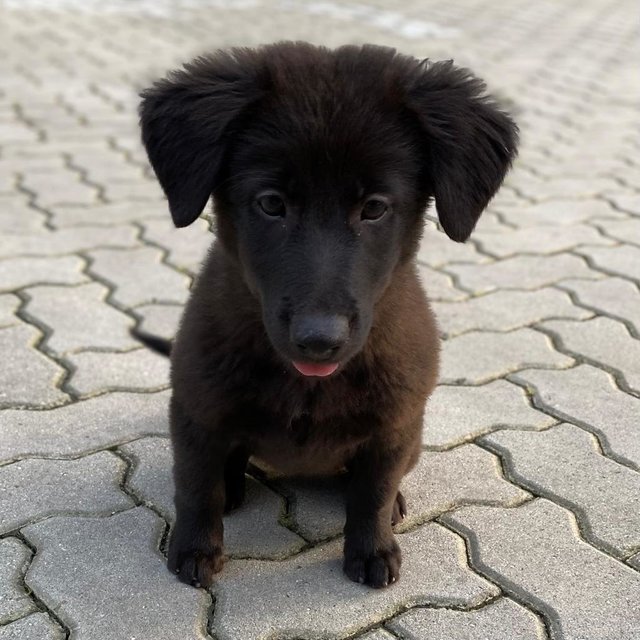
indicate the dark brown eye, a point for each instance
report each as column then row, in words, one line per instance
column 272, row 205
column 374, row 209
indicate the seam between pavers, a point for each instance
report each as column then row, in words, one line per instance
column 618, row 375
column 37, row 601
column 601, row 437
column 575, row 299
column 594, row 224
column 603, row 269
column 83, row 177
column 585, row 530
column 546, row 615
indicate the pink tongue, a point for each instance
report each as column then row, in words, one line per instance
column 320, row 370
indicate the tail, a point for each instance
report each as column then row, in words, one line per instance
column 155, row 343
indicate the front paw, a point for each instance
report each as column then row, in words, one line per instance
column 193, row 561
column 378, row 567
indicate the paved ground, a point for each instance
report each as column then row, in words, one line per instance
column 525, row 508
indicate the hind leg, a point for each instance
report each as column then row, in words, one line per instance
column 399, row 509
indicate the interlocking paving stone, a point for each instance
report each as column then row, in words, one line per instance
column 108, row 214
column 152, row 481
column 28, row 377
column 539, row 240
column 84, row 426
column 124, row 192
column 59, row 187
column 604, row 340
column 138, row 597
column 457, row 414
column 160, row 319
column 284, row 595
column 589, row 395
column 500, row 620
column 623, row 230
column 566, row 188
column 623, row 260
column 153, row 281
column 533, row 550
column 521, row 272
column 479, row 356
column 505, row 310
column 441, row 481
column 33, row 489
column 187, row 247
column 564, row 464
column 37, row 626
column 613, row 296
column 8, row 306
column 559, row 212
column 136, row 370
column 634, row 561
column 80, row 318
column 377, row 634
column 17, row 217
column 626, row 201
column 14, row 560
column 67, row 241
column 436, row 249
column 20, row 272
column 438, row 285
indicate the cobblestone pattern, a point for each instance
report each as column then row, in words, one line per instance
column 523, row 510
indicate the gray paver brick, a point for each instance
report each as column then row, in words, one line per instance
column 436, row 249
column 8, row 306
column 28, row 377
column 500, row 620
column 20, row 272
column 623, row 260
column 438, row 285
column 603, row 340
column 37, row 626
column 564, row 464
column 84, row 426
column 284, row 595
column 136, row 370
column 521, row 272
column 623, row 230
column 377, row 634
column 67, row 241
column 59, row 187
column 566, row 188
column 153, row 281
column 33, row 489
column 479, row 356
column 589, row 395
column 160, row 319
column 17, row 217
column 458, row 414
column 534, row 550
column 539, row 240
column 559, row 213
column 441, row 481
column 613, row 296
column 135, row 585
column 629, row 202
column 505, row 310
column 108, row 214
column 79, row 318
column 187, row 247
column 250, row 531
column 14, row 601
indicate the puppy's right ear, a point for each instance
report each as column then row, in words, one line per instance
column 186, row 119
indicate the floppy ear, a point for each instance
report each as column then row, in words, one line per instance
column 186, row 119
column 470, row 142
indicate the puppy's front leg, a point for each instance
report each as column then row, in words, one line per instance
column 195, row 548
column 371, row 553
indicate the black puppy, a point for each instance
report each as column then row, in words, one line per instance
column 308, row 343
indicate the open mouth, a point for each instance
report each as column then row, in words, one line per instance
column 316, row 369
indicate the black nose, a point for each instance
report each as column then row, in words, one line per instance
column 318, row 337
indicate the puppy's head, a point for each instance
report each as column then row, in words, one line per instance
column 321, row 164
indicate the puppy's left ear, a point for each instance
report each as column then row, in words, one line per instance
column 186, row 121
column 470, row 142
